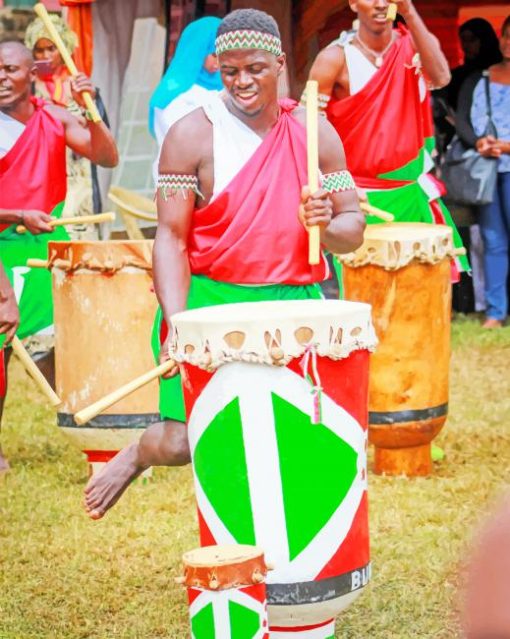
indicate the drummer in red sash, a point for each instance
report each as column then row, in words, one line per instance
column 232, row 182
column 33, row 140
column 374, row 84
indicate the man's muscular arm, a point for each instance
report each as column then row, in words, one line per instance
column 435, row 64
column 179, row 156
column 345, row 231
column 93, row 141
column 327, row 69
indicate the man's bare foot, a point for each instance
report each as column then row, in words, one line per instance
column 4, row 464
column 492, row 323
column 105, row 489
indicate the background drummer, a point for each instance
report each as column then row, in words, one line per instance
column 232, row 180
column 374, row 86
column 33, row 140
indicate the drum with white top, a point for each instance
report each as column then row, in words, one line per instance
column 276, row 398
column 404, row 272
column 104, row 306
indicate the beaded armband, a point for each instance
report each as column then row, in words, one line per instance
column 171, row 183
column 323, row 100
column 338, row 182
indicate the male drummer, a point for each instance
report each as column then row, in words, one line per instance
column 33, row 139
column 374, row 88
column 231, row 228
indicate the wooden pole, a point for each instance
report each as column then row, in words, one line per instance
column 86, row 414
column 34, row 372
column 312, row 138
column 70, row 221
column 40, row 10
column 372, row 210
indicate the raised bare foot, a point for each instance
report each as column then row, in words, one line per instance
column 105, row 489
column 4, row 464
column 492, row 323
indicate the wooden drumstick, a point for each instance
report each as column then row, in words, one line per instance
column 34, row 372
column 460, row 251
column 312, row 139
column 86, row 414
column 372, row 210
column 70, row 221
column 391, row 16
column 34, row 262
column 40, row 10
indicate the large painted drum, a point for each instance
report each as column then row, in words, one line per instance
column 276, row 397
column 104, row 308
column 404, row 272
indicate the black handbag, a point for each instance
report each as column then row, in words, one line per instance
column 469, row 177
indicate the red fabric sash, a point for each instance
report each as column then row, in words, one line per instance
column 383, row 127
column 33, row 172
column 251, row 234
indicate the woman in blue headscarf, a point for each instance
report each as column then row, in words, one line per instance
column 192, row 73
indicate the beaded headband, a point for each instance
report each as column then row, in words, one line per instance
column 248, row 39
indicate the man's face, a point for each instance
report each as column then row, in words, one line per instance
column 16, row 75
column 46, row 50
column 372, row 14
column 251, row 78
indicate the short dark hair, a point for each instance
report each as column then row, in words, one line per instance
column 251, row 20
column 506, row 24
column 25, row 52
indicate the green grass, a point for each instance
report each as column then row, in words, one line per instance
column 63, row 576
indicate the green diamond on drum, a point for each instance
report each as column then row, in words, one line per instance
column 227, row 615
column 277, row 480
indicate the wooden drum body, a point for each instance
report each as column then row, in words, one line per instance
column 104, row 309
column 404, row 272
column 279, row 446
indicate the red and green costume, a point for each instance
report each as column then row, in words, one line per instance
column 248, row 244
column 33, row 177
column 388, row 136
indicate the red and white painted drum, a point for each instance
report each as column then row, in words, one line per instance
column 276, row 397
column 226, row 592
column 104, row 309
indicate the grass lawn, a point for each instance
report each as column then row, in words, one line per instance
column 63, row 576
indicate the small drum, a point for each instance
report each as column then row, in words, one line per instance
column 276, row 398
column 226, row 592
column 404, row 272
column 104, row 309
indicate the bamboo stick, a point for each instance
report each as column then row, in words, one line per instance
column 40, row 10
column 312, row 137
column 34, row 372
column 70, row 221
column 34, row 262
column 372, row 210
column 86, row 414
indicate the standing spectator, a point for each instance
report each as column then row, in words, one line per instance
column 188, row 81
column 53, row 84
column 494, row 218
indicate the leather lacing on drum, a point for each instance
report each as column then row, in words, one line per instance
column 339, row 346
